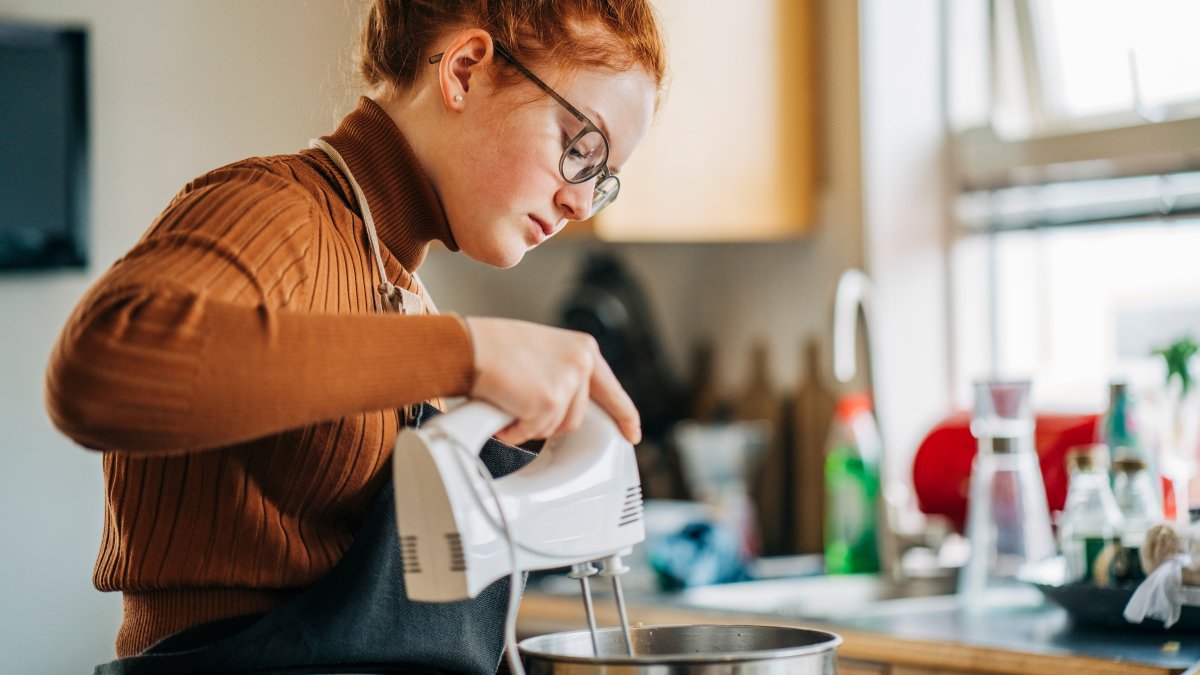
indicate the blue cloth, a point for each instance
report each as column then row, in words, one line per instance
column 700, row 554
column 356, row 619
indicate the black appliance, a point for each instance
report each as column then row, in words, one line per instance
column 608, row 304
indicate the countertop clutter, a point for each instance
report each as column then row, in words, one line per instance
column 885, row 632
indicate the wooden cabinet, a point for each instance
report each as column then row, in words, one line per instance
column 731, row 155
column 847, row 666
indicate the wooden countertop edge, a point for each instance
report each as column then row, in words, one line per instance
column 548, row 613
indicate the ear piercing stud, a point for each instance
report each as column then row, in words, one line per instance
column 458, row 98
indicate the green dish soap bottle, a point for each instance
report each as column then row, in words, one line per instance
column 852, row 488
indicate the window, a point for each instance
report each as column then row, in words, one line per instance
column 1115, row 56
column 1076, row 133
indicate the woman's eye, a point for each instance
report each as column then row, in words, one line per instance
column 573, row 151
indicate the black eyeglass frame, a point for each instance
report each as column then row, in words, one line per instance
column 602, row 169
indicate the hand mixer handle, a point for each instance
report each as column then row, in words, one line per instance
column 578, row 500
column 472, row 424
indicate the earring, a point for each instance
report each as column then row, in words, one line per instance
column 458, row 98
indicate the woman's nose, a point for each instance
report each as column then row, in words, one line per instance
column 575, row 200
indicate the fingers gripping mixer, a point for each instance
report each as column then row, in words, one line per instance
column 578, row 502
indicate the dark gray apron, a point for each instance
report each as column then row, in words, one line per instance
column 356, row 619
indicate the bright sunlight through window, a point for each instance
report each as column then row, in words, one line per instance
column 1112, row 55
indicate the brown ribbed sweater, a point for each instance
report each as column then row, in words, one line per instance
column 239, row 375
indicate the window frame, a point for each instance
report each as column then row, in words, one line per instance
column 1111, row 145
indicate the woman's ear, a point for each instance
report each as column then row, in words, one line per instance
column 462, row 66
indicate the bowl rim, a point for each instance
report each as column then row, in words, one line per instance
column 527, row 647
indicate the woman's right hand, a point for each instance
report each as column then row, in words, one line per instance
column 544, row 377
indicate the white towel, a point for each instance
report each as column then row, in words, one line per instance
column 1160, row 596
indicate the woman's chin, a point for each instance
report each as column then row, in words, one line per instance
column 511, row 261
column 500, row 256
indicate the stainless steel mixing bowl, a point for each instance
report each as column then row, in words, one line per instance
column 679, row 650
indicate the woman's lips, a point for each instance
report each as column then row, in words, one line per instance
column 542, row 229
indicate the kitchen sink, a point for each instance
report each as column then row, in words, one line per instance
column 825, row 597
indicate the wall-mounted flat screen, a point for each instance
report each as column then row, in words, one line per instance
column 43, row 147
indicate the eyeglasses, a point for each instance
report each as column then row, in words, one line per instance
column 586, row 155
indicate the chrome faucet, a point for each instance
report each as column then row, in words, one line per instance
column 854, row 291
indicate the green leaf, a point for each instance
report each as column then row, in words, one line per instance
column 1177, row 356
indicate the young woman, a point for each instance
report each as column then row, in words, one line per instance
column 246, row 367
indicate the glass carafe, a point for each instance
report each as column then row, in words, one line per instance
column 1008, row 521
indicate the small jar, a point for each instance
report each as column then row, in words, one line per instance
column 1136, row 496
column 1090, row 521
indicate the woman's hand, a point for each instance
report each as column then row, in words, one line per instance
column 544, row 377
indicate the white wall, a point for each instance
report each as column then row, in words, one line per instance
column 177, row 87
column 182, row 86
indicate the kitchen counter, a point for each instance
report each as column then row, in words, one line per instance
column 903, row 636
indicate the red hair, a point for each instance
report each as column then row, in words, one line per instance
column 399, row 35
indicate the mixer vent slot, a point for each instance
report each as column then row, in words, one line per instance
column 632, row 511
column 457, row 562
column 408, row 552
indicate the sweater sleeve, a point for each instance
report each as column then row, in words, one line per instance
column 192, row 340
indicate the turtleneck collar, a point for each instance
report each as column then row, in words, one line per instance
column 407, row 212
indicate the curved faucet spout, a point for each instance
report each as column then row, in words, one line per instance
column 854, row 290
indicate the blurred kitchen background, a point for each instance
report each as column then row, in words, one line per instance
column 1017, row 180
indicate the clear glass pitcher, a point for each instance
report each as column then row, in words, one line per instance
column 1008, row 521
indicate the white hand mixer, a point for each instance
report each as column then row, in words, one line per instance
column 577, row 503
